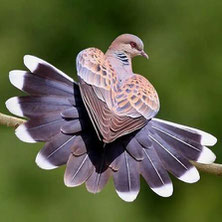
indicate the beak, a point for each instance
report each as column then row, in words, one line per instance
column 144, row 54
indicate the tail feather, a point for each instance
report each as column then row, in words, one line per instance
column 55, row 152
column 34, row 106
column 78, row 170
column 152, row 170
column 45, row 70
column 96, row 182
column 186, row 133
column 39, row 86
column 71, row 127
column 126, row 179
column 116, row 163
column 113, row 154
column 135, row 149
column 80, row 145
column 143, row 139
column 40, row 129
column 102, row 172
column 72, row 113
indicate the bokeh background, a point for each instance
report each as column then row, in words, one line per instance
column 183, row 39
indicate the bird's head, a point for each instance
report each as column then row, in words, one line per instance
column 130, row 44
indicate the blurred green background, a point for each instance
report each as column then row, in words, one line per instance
column 183, row 39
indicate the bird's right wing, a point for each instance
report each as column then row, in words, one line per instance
column 136, row 97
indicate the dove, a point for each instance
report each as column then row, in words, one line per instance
column 104, row 125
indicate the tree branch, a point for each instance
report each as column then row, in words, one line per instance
column 213, row 168
column 10, row 121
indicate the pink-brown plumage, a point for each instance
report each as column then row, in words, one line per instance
column 111, row 91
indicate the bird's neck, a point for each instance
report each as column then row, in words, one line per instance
column 121, row 62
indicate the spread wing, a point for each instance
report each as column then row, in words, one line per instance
column 114, row 110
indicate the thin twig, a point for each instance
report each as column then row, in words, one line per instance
column 213, row 168
column 10, row 121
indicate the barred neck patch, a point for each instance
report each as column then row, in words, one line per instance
column 122, row 57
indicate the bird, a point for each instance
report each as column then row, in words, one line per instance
column 103, row 125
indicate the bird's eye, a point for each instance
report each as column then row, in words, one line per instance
column 133, row 44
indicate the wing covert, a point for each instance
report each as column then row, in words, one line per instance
column 137, row 97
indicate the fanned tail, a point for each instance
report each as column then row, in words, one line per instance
column 56, row 115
